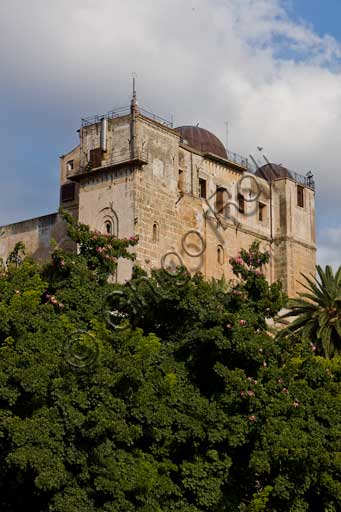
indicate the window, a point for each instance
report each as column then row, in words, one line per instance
column 300, row 196
column 108, row 222
column 220, row 255
column 202, row 188
column 241, row 203
column 219, row 199
column 261, row 212
column 181, row 180
column 69, row 166
column 67, row 192
column 155, row 232
column 108, row 227
column 96, row 157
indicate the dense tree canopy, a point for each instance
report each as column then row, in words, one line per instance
column 164, row 394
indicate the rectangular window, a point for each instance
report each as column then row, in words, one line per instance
column 96, row 157
column 300, row 196
column 261, row 212
column 219, row 199
column 69, row 166
column 241, row 203
column 67, row 192
column 202, row 188
column 181, row 180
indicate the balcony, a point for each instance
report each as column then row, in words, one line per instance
column 100, row 160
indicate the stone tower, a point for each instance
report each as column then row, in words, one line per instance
column 190, row 201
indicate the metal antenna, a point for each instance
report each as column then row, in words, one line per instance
column 227, row 134
column 134, row 75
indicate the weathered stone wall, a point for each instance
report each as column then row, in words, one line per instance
column 176, row 213
column 294, row 248
column 36, row 234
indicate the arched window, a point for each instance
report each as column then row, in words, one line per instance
column 108, row 227
column 107, row 222
column 220, row 255
column 155, row 232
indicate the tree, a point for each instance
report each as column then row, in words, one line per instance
column 182, row 401
column 317, row 312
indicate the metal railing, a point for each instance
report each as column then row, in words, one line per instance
column 305, row 181
column 124, row 111
column 216, row 149
column 238, row 159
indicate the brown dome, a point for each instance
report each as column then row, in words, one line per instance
column 202, row 140
column 271, row 172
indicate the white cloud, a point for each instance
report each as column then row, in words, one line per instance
column 275, row 80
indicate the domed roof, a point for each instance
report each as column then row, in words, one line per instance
column 271, row 172
column 202, row 140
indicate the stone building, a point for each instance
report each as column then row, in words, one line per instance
column 189, row 200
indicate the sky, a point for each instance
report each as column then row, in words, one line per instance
column 271, row 68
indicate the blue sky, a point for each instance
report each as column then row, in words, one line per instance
column 269, row 67
column 324, row 15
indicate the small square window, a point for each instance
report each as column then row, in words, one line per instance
column 202, row 188
column 69, row 166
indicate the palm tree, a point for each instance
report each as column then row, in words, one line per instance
column 317, row 311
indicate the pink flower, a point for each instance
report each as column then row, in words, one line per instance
column 313, row 347
column 99, row 250
column 252, row 418
column 17, row 292
column 250, row 393
column 62, row 263
column 242, row 322
column 239, row 260
column 242, row 393
column 61, row 305
column 280, row 381
column 285, row 390
column 264, row 364
column 228, row 326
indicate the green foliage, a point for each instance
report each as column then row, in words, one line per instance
column 318, row 312
column 182, row 402
column 17, row 255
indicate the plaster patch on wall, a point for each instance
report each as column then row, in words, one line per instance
column 158, row 168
